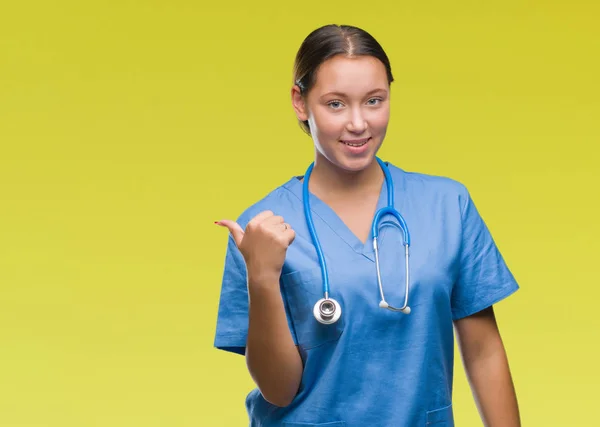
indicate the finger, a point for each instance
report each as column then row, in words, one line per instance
column 259, row 218
column 274, row 220
column 234, row 228
column 289, row 234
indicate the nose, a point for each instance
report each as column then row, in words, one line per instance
column 357, row 123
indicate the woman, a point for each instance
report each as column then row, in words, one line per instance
column 366, row 364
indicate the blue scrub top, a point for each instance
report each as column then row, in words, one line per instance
column 374, row 367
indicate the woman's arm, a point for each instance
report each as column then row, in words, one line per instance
column 487, row 369
column 272, row 358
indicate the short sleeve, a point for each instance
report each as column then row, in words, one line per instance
column 484, row 278
column 232, row 318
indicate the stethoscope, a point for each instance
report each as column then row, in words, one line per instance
column 327, row 310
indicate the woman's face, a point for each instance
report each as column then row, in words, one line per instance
column 347, row 109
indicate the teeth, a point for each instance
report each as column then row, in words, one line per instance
column 355, row 145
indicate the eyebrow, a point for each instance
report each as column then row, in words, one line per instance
column 343, row 94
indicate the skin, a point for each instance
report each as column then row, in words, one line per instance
column 486, row 365
column 350, row 101
column 272, row 357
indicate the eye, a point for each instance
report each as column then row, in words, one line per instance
column 374, row 101
column 335, row 104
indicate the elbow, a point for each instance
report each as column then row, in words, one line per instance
column 280, row 401
column 280, row 386
column 280, row 394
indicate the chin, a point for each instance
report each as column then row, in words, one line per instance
column 355, row 164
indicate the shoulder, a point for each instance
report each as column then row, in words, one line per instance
column 426, row 187
column 281, row 200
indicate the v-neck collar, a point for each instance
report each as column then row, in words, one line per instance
column 322, row 210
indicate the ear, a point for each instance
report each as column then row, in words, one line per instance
column 299, row 104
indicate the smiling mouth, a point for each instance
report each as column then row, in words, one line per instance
column 356, row 142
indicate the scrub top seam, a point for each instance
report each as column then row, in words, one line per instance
column 462, row 224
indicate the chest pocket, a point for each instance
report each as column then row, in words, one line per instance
column 302, row 289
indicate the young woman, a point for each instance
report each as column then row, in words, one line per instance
column 336, row 331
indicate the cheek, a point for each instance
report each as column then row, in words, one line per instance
column 380, row 119
column 329, row 125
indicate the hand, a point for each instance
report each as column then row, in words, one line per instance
column 263, row 244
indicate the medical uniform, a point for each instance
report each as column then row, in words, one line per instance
column 374, row 367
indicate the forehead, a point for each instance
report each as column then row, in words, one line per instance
column 351, row 75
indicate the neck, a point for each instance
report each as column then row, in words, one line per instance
column 328, row 180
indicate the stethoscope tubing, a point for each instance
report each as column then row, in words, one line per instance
column 328, row 310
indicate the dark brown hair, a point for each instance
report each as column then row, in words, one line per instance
column 328, row 41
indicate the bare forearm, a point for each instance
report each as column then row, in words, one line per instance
column 493, row 389
column 271, row 355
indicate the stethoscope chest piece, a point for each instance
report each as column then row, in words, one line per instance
column 327, row 311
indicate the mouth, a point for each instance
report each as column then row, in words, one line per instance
column 355, row 142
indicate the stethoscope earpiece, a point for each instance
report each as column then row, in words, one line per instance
column 405, row 310
column 327, row 310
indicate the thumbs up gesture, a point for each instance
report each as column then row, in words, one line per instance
column 263, row 244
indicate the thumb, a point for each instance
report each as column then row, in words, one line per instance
column 234, row 228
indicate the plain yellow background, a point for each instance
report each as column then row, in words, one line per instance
column 128, row 127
